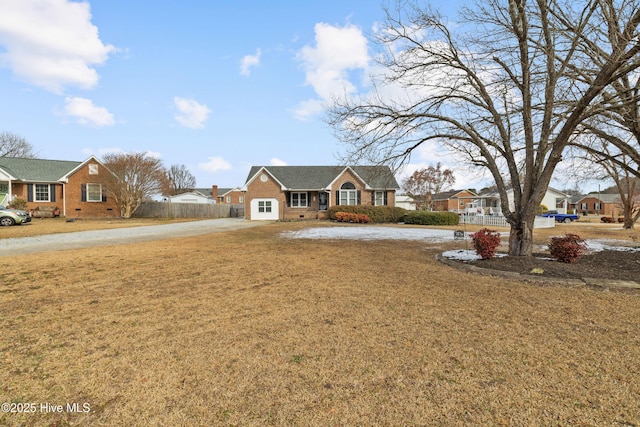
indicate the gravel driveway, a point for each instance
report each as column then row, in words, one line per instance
column 116, row 236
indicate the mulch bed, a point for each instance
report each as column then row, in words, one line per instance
column 607, row 264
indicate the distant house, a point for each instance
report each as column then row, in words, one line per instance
column 488, row 202
column 195, row 196
column 228, row 195
column 599, row 204
column 453, row 200
column 405, row 202
column 73, row 187
column 210, row 195
column 307, row 192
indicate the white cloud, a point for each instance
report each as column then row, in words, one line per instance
column 250, row 61
column 191, row 113
column 51, row 43
column 277, row 162
column 215, row 164
column 308, row 108
column 338, row 50
column 86, row 113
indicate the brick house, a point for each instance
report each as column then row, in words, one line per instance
column 73, row 187
column 228, row 195
column 599, row 204
column 307, row 192
column 452, row 201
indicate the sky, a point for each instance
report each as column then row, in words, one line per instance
column 217, row 86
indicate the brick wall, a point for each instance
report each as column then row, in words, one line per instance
column 76, row 208
column 259, row 189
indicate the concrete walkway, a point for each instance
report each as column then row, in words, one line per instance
column 118, row 236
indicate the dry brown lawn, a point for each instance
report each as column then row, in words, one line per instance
column 247, row 328
column 41, row 226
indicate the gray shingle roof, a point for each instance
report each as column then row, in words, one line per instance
column 319, row 177
column 37, row 169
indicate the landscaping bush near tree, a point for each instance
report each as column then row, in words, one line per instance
column 568, row 248
column 486, row 242
column 431, row 218
column 376, row 214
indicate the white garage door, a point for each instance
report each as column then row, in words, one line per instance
column 264, row 209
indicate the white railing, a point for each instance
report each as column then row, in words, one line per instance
column 500, row 221
column 4, row 200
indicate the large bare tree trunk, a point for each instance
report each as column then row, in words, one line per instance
column 521, row 239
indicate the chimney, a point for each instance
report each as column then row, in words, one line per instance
column 214, row 192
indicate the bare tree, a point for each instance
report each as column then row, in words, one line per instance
column 624, row 173
column 134, row 178
column 424, row 183
column 12, row 145
column 179, row 180
column 502, row 90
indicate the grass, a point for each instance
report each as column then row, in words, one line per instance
column 246, row 328
column 41, row 226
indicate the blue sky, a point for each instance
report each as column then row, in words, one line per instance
column 215, row 85
column 218, row 86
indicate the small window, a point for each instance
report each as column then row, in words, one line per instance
column 583, row 206
column 93, row 169
column 241, row 199
column 264, row 206
column 41, row 192
column 228, row 199
column 299, row 200
column 94, row 193
column 597, row 206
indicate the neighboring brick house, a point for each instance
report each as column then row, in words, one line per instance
column 73, row 187
column 228, row 195
column 599, row 204
column 307, row 192
column 453, row 201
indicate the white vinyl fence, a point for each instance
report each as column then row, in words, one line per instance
column 500, row 221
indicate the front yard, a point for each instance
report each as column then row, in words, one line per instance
column 251, row 328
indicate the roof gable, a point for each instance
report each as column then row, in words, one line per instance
column 37, row 170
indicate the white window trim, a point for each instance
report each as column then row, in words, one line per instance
column 349, row 196
column 88, row 192
column 300, row 197
column 35, row 193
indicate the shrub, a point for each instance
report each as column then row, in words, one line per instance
column 568, row 248
column 18, row 203
column 352, row 217
column 607, row 219
column 486, row 242
column 431, row 218
column 376, row 214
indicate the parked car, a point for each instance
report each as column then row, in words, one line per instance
column 13, row 216
column 560, row 217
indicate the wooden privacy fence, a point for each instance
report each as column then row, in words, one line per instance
column 188, row 210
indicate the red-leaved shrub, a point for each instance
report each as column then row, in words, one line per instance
column 486, row 242
column 352, row 217
column 568, row 248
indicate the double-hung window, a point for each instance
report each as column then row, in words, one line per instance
column 41, row 193
column 378, row 198
column 348, row 194
column 94, row 193
column 299, row 200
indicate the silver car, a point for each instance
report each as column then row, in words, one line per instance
column 13, row 216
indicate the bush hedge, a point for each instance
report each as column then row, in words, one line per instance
column 376, row 214
column 431, row 218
